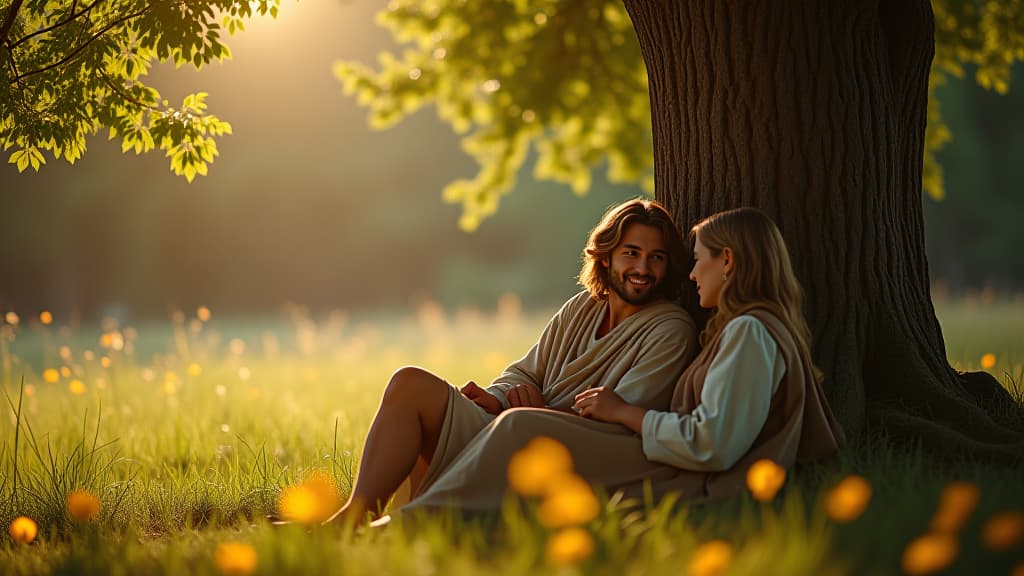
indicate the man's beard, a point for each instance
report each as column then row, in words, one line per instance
column 620, row 285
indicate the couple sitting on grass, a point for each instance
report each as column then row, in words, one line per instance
column 611, row 378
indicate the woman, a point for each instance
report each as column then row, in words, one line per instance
column 752, row 393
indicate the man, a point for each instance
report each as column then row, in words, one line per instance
column 623, row 332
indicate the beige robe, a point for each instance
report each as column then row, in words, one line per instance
column 799, row 425
column 640, row 359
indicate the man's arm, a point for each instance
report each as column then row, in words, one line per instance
column 529, row 371
column 513, row 386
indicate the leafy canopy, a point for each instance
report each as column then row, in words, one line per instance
column 73, row 67
column 567, row 78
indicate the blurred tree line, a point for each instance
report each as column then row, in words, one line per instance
column 974, row 235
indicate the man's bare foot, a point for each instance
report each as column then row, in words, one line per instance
column 351, row 515
column 276, row 520
column 381, row 522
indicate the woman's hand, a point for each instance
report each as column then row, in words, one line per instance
column 607, row 406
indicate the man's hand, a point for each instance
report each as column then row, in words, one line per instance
column 524, row 396
column 481, row 398
column 602, row 404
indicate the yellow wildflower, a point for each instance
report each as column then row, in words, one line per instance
column 988, row 361
column 847, row 501
column 569, row 546
column 710, row 559
column 51, row 375
column 314, row 500
column 929, row 553
column 45, row 317
column 235, row 558
column 1003, row 531
column 77, row 387
column 764, row 479
column 83, row 506
column 534, row 469
column 23, row 530
column 569, row 501
column 956, row 504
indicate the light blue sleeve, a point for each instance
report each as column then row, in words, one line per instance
column 733, row 406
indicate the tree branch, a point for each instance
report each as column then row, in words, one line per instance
column 123, row 94
column 14, row 68
column 70, row 18
column 5, row 28
column 13, row 65
column 78, row 50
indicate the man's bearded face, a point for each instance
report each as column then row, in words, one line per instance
column 638, row 265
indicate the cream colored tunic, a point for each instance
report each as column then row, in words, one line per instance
column 678, row 450
column 641, row 359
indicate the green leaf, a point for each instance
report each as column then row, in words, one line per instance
column 19, row 157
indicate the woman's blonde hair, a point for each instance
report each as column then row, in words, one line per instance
column 608, row 234
column 762, row 275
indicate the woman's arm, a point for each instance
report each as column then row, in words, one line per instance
column 603, row 404
column 734, row 404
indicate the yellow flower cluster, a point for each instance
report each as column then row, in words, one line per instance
column 544, row 469
column 312, row 501
column 937, row 549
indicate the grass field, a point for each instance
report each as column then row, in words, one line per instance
column 187, row 432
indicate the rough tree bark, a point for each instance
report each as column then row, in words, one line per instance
column 815, row 111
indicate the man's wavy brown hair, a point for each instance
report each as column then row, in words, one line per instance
column 607, row 235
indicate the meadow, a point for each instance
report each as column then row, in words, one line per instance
column 159, row 448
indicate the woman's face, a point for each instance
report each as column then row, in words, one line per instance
column 709, row 273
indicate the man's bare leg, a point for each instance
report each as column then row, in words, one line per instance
column 405, row 430
column 411, row 485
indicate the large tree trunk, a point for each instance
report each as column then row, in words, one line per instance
column 815, row 112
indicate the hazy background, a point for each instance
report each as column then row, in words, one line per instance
column 306, row 204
